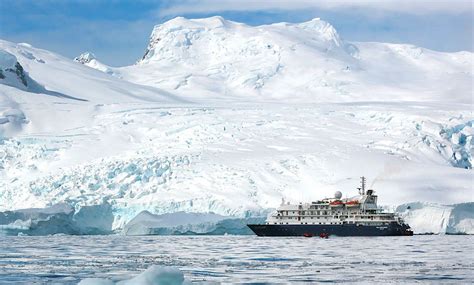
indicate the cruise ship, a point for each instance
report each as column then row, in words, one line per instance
column 356, row 216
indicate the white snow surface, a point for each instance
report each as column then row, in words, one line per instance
column 90, row 60
column 294, row 63
column 227, row 118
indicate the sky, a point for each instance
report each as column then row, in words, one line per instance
column 117, row 31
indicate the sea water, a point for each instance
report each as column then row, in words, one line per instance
column 240, row 259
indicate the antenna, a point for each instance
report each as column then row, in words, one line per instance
column 362, row 185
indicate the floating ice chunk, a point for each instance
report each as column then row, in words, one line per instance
column 155, row 275
column 96, row 281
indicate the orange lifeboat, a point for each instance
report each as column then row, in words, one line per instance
column 352, row 203
column 336, row 203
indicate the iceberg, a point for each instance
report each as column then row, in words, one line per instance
column 180, row 223
column 429, row 218
column 58, row 219
column 423, row 218
column 155, row 275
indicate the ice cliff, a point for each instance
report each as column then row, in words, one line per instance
column 57, row 219
column 181, row 223
column 426, row 218
column 423, row 218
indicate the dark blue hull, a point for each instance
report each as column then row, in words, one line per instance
column 393, row 229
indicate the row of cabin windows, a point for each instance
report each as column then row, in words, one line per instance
column 359, row 214
column 335, row 223
column 285, row 213
column 302, row 218
column 336, row 217
column 319, row 212
column 319, row 207
column 339, row 223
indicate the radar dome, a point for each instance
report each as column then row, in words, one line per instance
column 338, row 195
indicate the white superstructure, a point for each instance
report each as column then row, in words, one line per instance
column 360, row 210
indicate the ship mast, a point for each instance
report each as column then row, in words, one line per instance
column 362, row 185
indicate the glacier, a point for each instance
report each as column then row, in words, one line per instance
column 426, row 218
column 58, row 219
column 223, row 119
column 183, row 223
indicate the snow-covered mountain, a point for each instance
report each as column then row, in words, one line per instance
column 90, row 60
column 227, row 118
column 294, row 62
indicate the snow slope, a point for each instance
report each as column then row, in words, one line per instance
column 62, row 75
column 90, row 60
column 294, row 62
column 226, row 118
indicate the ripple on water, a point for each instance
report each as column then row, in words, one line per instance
column 241, row 259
